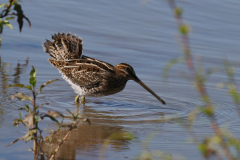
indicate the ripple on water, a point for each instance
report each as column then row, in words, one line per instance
column 129, row 107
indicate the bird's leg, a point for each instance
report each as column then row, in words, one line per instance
column 83, row 99
column 77, row 99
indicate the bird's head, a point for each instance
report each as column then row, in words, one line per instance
column 127, row 71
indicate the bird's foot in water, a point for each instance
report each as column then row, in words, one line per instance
column 82, row 99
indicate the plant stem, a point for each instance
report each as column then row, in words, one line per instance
column 69, row 131
column 8, row 9
column 35, row 144
column 200, row 85
column 39, row 144
column 34, row 99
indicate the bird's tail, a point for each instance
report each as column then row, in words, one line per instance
column 64, row 46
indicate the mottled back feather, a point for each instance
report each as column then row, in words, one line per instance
column 64, row 46
column 91, row 75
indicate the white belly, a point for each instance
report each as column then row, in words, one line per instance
column 79, row 90
column 85, row 92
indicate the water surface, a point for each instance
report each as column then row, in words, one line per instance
column 142, row 34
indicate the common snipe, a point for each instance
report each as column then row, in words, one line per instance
column 88, row 76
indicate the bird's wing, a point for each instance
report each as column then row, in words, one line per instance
column 87, row 76
column 64, row 46
column 88, row 73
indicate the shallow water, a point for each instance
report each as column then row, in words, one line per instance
column 142, row 34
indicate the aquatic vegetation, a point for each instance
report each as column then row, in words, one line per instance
column 222, row 144
column 12, row 5
column 32, row 119
column 206, row 145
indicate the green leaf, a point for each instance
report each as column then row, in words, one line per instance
column 20, row 15
column 53, row 119
column 209, row 111
column 70, row 112
column 178, row 11
column 16, row 122
column 203, row 148
column 15, row 2
column 6, row 23
column 8, row 18
column 184, row 29
column 1, row 5
column 51, row 115
column 45, row 84
column 21, row 108
column 29, row 135
column 21, row 97
column 75, row 117
column 33, row 72
column 35, row 120
column 32, row 80
column 21, row 86
column 1, row 25
column 40, row 106
column 27, row 108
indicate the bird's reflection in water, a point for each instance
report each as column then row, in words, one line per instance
column 6, row 76
column 87, row 139
column 5, row 73
column 19, row 70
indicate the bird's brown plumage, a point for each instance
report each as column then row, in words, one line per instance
column 86, row 75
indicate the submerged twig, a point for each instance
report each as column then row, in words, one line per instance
column 69, row 131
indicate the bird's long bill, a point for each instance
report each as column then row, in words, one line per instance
column 149, row 90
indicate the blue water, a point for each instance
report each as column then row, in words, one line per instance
column 142, row 34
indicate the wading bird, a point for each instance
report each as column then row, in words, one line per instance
column 88, row 76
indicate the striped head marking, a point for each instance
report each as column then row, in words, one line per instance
column 127, row 70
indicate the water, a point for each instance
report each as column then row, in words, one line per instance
column 142, row 34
